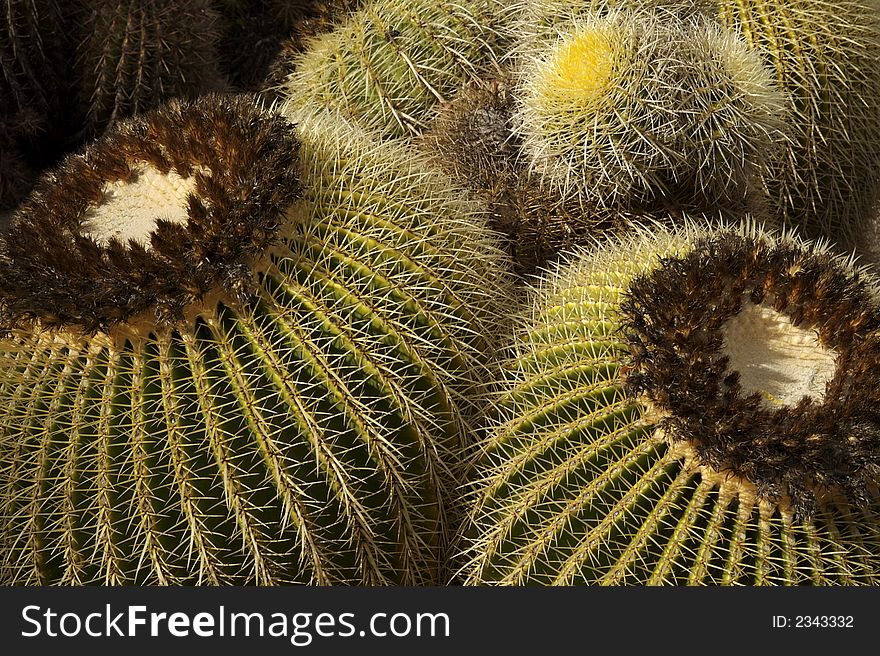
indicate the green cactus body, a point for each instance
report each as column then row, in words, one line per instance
column 595, row 472
column 301, row 421
column 391, row 62
column 826, row 56
column 136, row 54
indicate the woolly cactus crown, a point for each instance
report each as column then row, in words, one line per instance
column 691, row 405
column 762, row 356
column 271, row 380
column 151, row 217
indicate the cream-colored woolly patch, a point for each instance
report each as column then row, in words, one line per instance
column 781, row 361
column 130, row 209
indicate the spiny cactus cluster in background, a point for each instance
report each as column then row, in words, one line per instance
column 825, row 57
column 68, row 70
column 135, row 54
column 251, row 346
column 471, row 136
column 260, row 37
column 32, row 78
column 255, row 388
column 613, row 116
column 544, row 14
column 628, row 110
column 665, row 419
column 392, row 61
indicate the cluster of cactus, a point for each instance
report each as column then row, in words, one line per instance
column 625, row 109
column 611, row 116
column 275, row 337
column 471, row 139
column 69, row 70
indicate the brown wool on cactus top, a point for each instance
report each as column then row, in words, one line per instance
column 765, row 360
column 162, row 210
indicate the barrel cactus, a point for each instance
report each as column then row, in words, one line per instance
column 826, row 56
column 612, row 117
column 687, row 406
column 629, row 108
column 134, row 55
column 234, row 352
column 471, row 139
column 389, row 63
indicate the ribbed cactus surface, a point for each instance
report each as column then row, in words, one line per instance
column 301, row 428
column 258, row 37
column 134, row 55
column 391, row 62
column 583, row 481
column 826, row 56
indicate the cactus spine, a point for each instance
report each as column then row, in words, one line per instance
column 391, row 62
column 294, row 414
column 626, row 449
column 31, row 60
column 133, row 55
column 605, row 125
column 826, row 56
column 628, row 110
column 471, row 139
